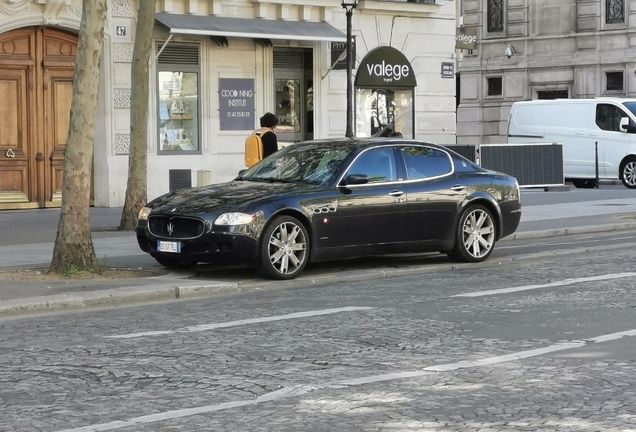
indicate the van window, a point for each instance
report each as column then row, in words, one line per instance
column 608, row 117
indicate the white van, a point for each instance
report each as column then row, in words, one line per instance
column 578, row 124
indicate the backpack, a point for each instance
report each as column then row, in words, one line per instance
column 254, row 148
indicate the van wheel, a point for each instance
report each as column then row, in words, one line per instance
column 628, row 173
column 584, row 183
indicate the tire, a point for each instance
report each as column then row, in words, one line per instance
column 284, row 249
column 174, row 264
column 628, row 173
column 584, row 183
column 475, row 236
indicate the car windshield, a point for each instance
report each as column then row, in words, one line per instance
column 630, row 106
column 315, row 164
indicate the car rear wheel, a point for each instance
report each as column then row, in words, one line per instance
column 476, row 234
column 174, row 263
column 284, row 249
column 628, row 172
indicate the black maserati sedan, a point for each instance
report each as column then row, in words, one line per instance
column 331, row 200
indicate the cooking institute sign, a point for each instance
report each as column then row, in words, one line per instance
column 236, row 103
column 385, row 67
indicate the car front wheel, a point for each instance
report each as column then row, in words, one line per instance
column 284, row 248
column 475, row 237
column 629, row 173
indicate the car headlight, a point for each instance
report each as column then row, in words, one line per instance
column 234, row 219
column 144, row 213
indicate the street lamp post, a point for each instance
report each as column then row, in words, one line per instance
column 349, row 6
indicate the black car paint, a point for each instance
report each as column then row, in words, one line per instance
column 337, row 218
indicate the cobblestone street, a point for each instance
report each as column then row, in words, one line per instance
column 413, row 353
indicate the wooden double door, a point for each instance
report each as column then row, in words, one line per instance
column 36, row 87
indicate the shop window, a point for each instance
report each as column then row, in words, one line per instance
column 614, row 80
column 495, row 86
column 178, row 97
column 495, row 15
column 383, row 112
column 614, row 11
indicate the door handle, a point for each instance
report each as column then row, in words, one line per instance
column 396, row 193
column 593, row 134
column 10, row 153
column 458, row 188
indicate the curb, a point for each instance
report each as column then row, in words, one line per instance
column 570, row 231
column 110, row 297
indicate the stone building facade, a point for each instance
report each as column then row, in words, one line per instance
column 218, row 65
column 541, row 49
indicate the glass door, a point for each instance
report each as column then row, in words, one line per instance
column 290, row 106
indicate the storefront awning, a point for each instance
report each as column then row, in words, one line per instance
column 250, row 28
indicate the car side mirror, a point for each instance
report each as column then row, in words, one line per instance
column 355, row 179
column 624, row 125
column 241, row 172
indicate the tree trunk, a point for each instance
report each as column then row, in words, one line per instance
column 136, row 189
column 74, row 249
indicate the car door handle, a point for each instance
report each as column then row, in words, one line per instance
column 458, row 188
column 396, row 193
column 593, row 134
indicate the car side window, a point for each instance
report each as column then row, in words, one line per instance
column 425, row 162
column 377, row 164
column 608, row 117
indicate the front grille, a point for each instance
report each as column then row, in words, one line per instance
column 176, row 227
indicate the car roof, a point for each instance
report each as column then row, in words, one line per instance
column 365, row 142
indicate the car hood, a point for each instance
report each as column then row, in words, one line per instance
column 214, row 199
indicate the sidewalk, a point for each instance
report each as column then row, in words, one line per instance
column 28, row 238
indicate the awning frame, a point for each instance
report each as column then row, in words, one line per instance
column 255, row 28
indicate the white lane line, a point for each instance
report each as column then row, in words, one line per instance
column 204, row 327
column 299, row 390
column 564, row 282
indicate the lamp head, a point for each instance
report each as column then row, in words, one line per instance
column 510, row 50
column 349, row 4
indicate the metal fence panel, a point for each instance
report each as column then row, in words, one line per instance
column 469, row 151
column 539, row 164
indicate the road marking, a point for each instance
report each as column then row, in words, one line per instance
column 299, row 390
column 205, row 327
column 565, row 282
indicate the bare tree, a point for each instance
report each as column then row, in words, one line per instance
column 137, row 188
column 74, row 248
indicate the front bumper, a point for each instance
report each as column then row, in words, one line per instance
column 214, row 247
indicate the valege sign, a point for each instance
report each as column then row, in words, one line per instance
column 388, row 72
column 236, row 103
column 385, row 67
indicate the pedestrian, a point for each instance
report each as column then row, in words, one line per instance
column 269, row 122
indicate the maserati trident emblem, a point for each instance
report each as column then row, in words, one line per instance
column 170, row 228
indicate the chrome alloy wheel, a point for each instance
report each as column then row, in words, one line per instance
column 478, row 234
column 629, row 174
column 287, row 250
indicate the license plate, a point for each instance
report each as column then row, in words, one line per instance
column 172, row 247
